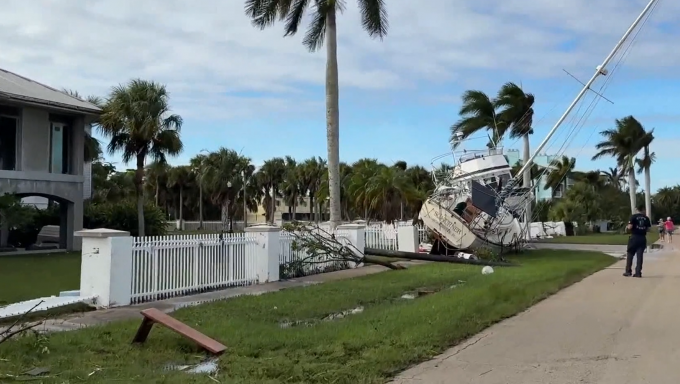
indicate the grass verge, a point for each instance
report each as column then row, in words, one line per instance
column 600, row 239
column 30, row 276
column 389, row 335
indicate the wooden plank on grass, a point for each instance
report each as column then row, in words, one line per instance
column 153, row 316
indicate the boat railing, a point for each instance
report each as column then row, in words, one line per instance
column 468, row 155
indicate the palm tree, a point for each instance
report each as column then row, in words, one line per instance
column 157, row 173
column 645, row 164
column 477, row 112
column 223, row 182
column 623, row 143
column 137, row 120
column 387, row 190
column 594, row 179
column 613, row 177
column 265, row 13
column 560, row 170
column 179, row 178
column 270, row 178
column 363, row 172
column 198, row 168
column 517, row 109
column 312, row 179
column 291, row 186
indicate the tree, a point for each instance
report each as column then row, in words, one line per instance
column 312, row 178
column 270, row 178
column 623, row 142
column 180, row 178
column 560, row 170
column 645, row 165
column 478, row 112
column 157, row 173
column 136, row 118
column 517, row 110
column 613, row 176
column 291, row 186
column 223, row 182
column 264, row 13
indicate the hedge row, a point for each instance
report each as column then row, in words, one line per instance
column 121, row 215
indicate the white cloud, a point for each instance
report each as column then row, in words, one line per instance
column 207, row 51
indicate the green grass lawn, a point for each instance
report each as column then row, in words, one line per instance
column 389, row 335
column 595, row 238
column 38, row 275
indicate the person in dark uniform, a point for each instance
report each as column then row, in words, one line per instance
column 638, row 225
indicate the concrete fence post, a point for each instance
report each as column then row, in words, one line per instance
column 356, row 235
column 408, row 239
column 106, row 266
column 268, row 245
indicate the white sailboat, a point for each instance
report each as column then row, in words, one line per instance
column 478, row 203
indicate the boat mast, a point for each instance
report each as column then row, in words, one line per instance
column 601, row 70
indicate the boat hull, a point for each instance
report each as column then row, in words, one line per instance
column 458, row 234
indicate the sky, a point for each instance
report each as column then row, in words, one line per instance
column 262, row 94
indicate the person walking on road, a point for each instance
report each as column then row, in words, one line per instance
column 638, row 225
column 669, row 227
column 662, row 230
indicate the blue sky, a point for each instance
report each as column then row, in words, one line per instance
column 255, row 91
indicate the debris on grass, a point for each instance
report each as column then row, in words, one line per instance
column 208, row 366
column 312, row 322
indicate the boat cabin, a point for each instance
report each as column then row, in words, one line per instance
column 488, row 167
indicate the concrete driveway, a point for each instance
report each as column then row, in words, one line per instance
column 607, row 329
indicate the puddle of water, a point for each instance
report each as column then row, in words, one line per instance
column 298, row 323
column 331, row 317
column 340, row 315
column 408, row 296
column 205, row 367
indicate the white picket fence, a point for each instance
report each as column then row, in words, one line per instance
column 378, row 235
column 177, row 265
column 167, row 266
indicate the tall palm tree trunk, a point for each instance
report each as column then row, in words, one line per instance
column 181, row 204
column 632, row 189
column 333, row 118
column 527, row 183
column 648, row 192
column 139, row 188
column 158, row 190
column 200, row 206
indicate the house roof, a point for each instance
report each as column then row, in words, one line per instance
column 22, row 89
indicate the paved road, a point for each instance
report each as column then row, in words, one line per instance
column 582, row 247
column 606, row 329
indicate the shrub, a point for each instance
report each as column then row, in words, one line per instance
column 27, row 233
column 122, row 215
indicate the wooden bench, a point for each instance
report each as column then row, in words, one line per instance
column 49, row 234
column 153, row 315
column 48, row 238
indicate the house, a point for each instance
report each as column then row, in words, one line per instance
column 282, row 212
column 42, row 138
column 544, row 160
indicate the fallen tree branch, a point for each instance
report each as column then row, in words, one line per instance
column 313, row 245
column 19, row 326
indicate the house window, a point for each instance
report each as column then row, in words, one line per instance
column 59, row 143
column 8, row 143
